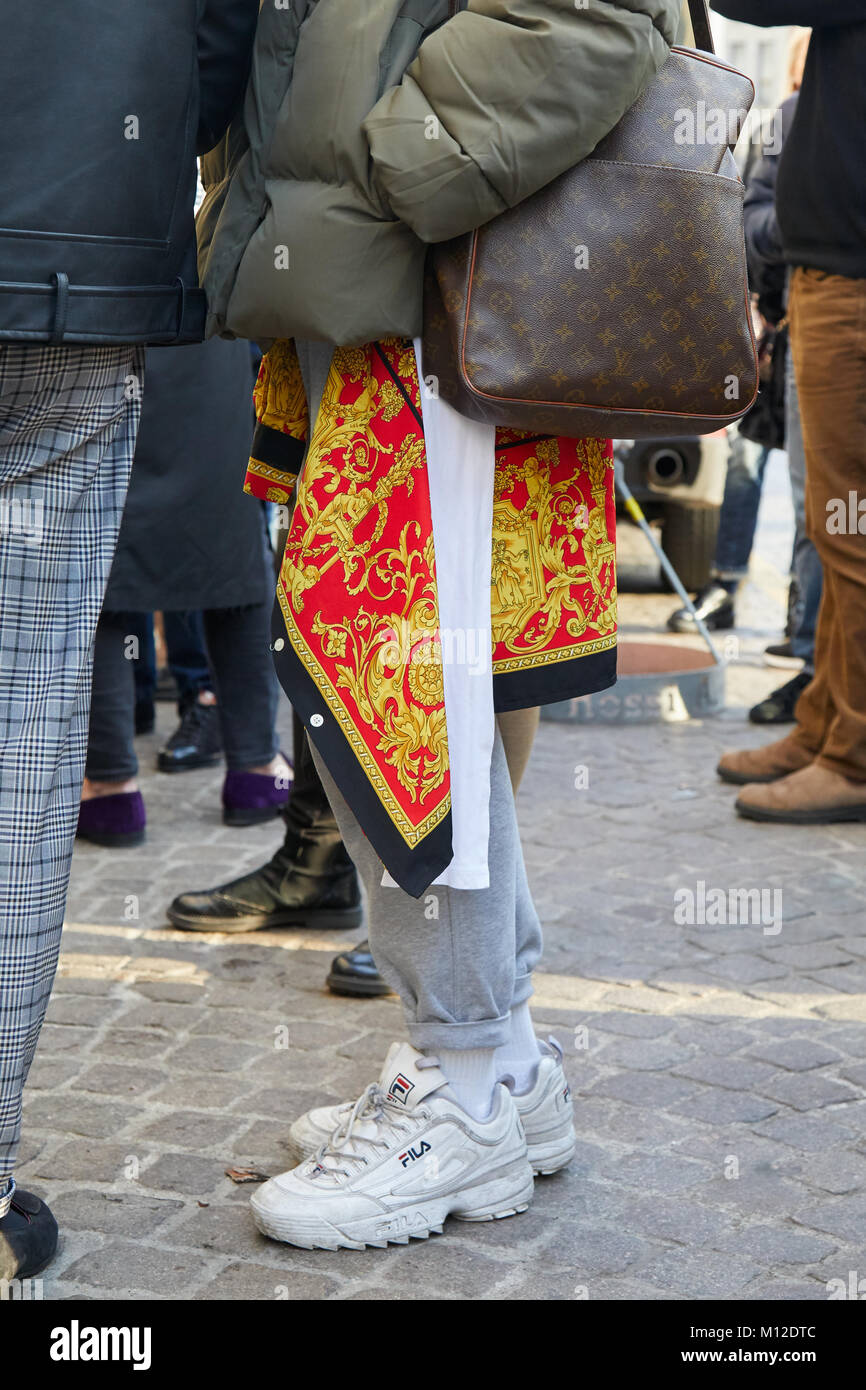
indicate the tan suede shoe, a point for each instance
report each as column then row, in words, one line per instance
column 768, row 764
column 813, row 796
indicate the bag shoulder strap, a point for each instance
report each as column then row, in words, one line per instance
column 698, row 12
column 703, row 29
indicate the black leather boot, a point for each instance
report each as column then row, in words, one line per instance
column 310, row 881
column 354, row 972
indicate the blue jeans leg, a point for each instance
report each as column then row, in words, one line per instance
column 739, row 516
column 805, row 563
column 187, row 654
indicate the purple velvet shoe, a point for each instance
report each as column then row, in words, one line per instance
column 116, row 821
column 252, row 797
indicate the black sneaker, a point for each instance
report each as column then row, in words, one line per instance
column 28, row 1236
column 714, row 605
column 778, row 708
column 196, row 742
column 781, row 654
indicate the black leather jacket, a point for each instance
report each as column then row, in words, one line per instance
column 103, row 107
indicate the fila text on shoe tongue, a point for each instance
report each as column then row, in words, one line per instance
column 404, row 1082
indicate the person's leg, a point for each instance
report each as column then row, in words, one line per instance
column 460, row 960
column 144, row 670
column 828, row 335
column 68, row 421
column 310, row 881
column 804, row 595
column 739, row 515
column 197, row 740
column 309, row 817
column 462, row 963
column 738, row 519
column 256, row 785
column 806, row 563
column 245, row 683
column 517, row 728
column 187, row 654
column 110, row 744
column 354, row 971
column 112, row 810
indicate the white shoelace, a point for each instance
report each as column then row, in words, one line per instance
column 375, row 1105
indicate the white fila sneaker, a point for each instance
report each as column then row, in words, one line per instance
column 401, row 1160
column 546, row 1111
column 547, row 1114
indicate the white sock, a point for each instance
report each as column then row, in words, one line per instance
column 471, row 1076
column 519, row 1057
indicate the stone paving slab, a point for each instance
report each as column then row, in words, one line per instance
column 718, row 1070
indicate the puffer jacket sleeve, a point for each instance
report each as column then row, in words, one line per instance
column 504, row 97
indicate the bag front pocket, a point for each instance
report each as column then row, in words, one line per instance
column 624, row 289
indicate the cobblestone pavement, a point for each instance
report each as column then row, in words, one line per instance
column 718, row 1071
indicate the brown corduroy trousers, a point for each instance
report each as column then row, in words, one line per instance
column 828, row 340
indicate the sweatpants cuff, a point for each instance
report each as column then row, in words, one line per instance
column 487, row 1032
column 522, row 990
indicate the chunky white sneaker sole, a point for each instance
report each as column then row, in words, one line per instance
column 546, row 1112
column 404, row 1157
column 505, row 1193
column 551, row 1157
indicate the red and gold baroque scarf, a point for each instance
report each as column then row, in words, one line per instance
column 356, row 631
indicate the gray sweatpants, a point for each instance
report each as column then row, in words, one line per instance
column 459, row 959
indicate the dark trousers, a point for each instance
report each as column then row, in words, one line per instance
column 186, row 652
column 238, row 643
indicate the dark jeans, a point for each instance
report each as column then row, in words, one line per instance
column 238, row 644
column 186, row 649
column 144, row 667
column 739, row 515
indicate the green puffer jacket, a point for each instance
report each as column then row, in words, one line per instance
column 373, row 127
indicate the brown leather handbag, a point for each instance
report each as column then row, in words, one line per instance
column 614, row 302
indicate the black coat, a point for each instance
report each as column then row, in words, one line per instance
column 821, row 188
column 191, row 537
column 105, row 104
column 768, row 272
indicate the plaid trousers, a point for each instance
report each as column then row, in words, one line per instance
column 68, row 421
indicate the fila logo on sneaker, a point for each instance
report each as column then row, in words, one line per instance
column 400, row 1088
column 411, row 1154
column 406, row 1221
column 566, row 1095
